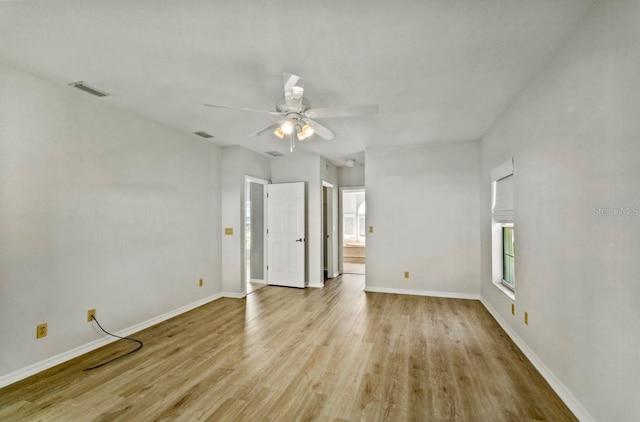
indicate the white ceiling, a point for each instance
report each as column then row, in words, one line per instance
column 441, row 70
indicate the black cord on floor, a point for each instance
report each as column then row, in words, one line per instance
column 113, row 335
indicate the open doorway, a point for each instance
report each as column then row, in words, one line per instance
column 354, row 212
column 255, row 263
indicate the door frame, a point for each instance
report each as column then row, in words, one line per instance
column 333, row 269
column 246, row 193
column 344, row 190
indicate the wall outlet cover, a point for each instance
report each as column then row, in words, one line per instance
column 41, row 330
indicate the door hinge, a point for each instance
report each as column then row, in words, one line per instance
column 267, row 268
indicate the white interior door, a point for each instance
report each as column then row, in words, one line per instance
column 286, row 230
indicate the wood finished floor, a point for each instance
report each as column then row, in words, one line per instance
column 252, row 287
column 284, row 354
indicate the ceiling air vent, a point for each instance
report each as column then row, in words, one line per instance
column 86, row 88
column 275, row 153
column 204, row 134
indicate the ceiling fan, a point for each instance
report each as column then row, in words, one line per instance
column 296, row 115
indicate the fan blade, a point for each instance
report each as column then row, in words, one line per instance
column 344, row 111
column 293, row 91
column 266, row 129
column 273, row 113
column 320, row 130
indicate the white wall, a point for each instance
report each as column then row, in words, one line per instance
column 423, row 204
column 237, row 162
column 351, row 176
column 575, row 136
column 98, row 209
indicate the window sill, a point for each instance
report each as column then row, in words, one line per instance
column 504, row 289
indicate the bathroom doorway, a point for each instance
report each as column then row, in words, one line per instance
column 354, row 212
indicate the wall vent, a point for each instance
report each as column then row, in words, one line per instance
column 86, row 88
column 203, row 134
column 275, row 153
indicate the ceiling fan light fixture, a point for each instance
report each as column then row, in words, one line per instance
column 295, row 112
column 307, row 130
column 304, row 132
column 287, row 127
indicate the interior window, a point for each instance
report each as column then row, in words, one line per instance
column 508, row 256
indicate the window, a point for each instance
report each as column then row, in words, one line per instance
column 503, row 229
column 508, row 256
column 349, row 229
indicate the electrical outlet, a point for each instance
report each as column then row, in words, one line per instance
column 228, row 231
column 406, row 274
column 90, row 314
column 201, row 282
column 526, row 318
column 41, row 330
column 513, row 309
column 370, row 229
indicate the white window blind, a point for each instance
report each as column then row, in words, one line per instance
column 503, row 202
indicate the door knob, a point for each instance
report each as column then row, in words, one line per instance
column 300, row 240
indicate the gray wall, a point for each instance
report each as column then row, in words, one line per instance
column 351, row 176
column 423, row 204
column 99, row 209
column 574, row 134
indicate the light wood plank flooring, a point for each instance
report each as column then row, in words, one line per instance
column 282, row 354
column 252, row 287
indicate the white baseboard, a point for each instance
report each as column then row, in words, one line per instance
column 233, row 295
column 561, row 390
column 33, row 369
column 450, row 295
column 258, row 281
column 316, row 285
